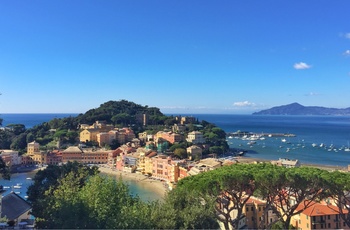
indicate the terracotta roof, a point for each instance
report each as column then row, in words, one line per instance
column 73, row 149
column 14, row 206
column 255, row 200
column 317, row 209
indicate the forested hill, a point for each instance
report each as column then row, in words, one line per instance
column 118, row 111
column 297, row 109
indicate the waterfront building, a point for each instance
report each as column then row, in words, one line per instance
column 54, row 158
column 160, row 166
column 32, row 147
column 72, row 153
column 287, row 163
column 14, row 208
column 92, row 156
column 149, row 162
column 204, row 165
column 10, row 157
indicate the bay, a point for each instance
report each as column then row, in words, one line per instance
column 327, row 130
column 331, row 131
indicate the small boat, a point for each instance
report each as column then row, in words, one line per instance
column 28, row 178
column 18, row 192
column 314, row 144
column 18, row 185
column 7, row 187
column 283, row 140
column 26, row 197
column 321, row 145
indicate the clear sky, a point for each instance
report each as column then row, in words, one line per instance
column 64, row 56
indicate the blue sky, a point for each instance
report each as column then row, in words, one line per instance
column 180, row 56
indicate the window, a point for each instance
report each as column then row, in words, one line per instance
column 252, row 208
column 329, row 217
column 329, row 225
column 247, row 209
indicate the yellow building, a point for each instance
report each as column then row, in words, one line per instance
column 254, row 210
column 89, row 135
column 32, row 147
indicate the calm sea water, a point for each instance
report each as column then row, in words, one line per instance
column 31, row 119
column 332, row 131
column 329, row 130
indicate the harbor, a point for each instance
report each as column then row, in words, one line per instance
column 246, row 134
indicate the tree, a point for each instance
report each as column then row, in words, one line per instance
column 303, row 185
column 46, row 181
column 338, row 184
column 19, row 142
column 270, row 182
column 231, row 186
column 181, row 153
column 4, row 169
column 184, row 209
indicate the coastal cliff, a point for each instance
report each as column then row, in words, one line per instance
column 297, row 109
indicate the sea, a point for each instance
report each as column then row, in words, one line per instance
column 318, row 140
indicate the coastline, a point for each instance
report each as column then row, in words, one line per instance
column 244, row 159
column 153, row 185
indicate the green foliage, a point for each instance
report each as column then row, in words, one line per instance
column 16, row 128
column 4, row 170
column 181, row 153
column 236, row 183
column 46, row 181
column 184, row 209
column 121, row 111
column 19, row 142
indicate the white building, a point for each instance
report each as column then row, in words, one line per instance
column 195, row 137
column 10, row 157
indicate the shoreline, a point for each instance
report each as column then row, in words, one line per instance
column 244, row 159
column 152, row 185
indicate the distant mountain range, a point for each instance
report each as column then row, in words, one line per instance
column 297, row 109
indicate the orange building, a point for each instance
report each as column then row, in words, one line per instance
column 318, row 216
column 72, row 153
column 160, row 166
column 95, row 157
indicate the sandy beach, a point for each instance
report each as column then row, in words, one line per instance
column 149, row 184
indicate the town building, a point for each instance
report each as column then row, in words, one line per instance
column 15, row 209
column 10, row 157
column 194, row 152
column 87, row 135
column 254, row 210
column 195, row 137
column 287, row 163
column 318, row 216
column 72, row 153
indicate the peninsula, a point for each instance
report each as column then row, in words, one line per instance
column 298, row 109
